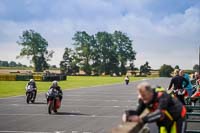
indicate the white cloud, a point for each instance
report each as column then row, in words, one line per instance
column 170, row 40
column 2, row 8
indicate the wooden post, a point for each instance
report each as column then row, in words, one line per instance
column 130, row 127
column 199, row 59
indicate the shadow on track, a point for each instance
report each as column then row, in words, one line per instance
column 67, row 113
column 39, row 103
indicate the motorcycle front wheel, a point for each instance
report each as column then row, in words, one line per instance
column 28, row 98
column 50, row 106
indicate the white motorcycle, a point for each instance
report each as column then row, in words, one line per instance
column 30, row 94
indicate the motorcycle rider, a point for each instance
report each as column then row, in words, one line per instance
column 55, row 86
column 195, row 82
column 126, row 80
column 196, row 95
column 177, row 83
column 32, row 84
column 195, row 78
column 168, row 112
column 187, row 77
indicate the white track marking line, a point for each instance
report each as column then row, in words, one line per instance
column 87, row 106
column 30, row 132
column 96, row 96
column 74, row 131
column 22, row 132
column 56, row 115
column 91, row 100
column 96, row 100
column 78, row 94
column 103, row 92
column 80, row 132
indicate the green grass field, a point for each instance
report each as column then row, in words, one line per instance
column 14, row 88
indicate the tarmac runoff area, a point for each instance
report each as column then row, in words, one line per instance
column 87, row 110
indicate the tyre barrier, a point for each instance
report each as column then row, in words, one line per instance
column 54, row 77
column 35, row 77
column 23, row 77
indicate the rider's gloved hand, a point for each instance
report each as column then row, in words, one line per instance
column 124, row 117
column 127, row 114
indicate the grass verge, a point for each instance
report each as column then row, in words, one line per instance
column 15, row 88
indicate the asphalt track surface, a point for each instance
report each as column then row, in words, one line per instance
column 87, row 110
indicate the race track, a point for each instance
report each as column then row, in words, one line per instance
column 86, row 110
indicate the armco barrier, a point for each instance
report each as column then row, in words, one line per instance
column 51, row 78
column 54, row 77
column 23, row 77
column 7, row 77
column 63, row 77
column 37, row 77
column 11, row 77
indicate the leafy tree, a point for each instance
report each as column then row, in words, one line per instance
column 132, row 68
column 196, row 67
column 54, row 66
column 145, row 69
column 165, row 70
column 83, row 48
column 4, row 63
column 108, row 53
column 69, row 63
column 12, row 64
column 125, row 51
column 176, row 67
column 24, row 65
column 103, row 52
column 96, row 57
column 35, row 46
column 19, row 64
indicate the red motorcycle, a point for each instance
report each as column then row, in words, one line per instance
column 53, row 101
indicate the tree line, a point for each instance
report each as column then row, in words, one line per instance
column 18, row 64
column 102, row 53
column 167, row 70
column 11, row 64
column 34, row 46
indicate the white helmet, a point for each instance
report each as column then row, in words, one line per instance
column 55, row 83
column 32, row 80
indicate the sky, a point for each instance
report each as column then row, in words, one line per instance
column 163, row 31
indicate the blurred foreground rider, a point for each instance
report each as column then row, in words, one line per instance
column 168, row 112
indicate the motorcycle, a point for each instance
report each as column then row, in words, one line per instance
column 30, row 94
column 194, row 88
column 177, row 92
column 53, row 100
